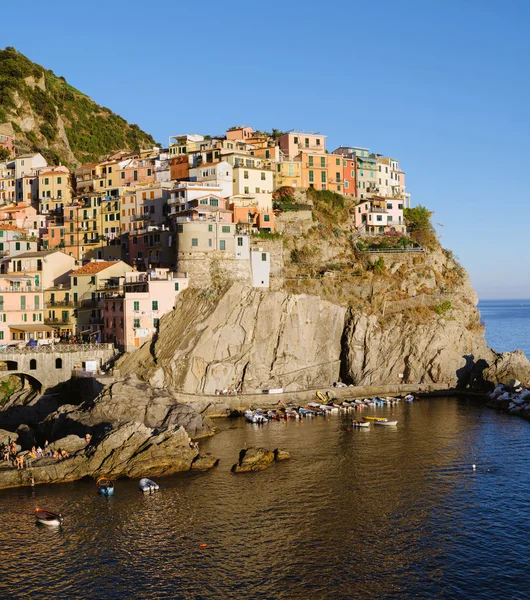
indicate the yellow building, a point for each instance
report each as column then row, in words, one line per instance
column 288, row 173
column 55, row 188
column 60, row 310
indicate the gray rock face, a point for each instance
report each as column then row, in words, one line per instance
column 124, row 401
column 246, row 339
column 131, row 450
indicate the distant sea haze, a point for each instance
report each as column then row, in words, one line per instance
column 507, row 324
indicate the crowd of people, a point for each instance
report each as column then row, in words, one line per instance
column 10, row 453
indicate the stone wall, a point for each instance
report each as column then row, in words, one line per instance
column 206, row 269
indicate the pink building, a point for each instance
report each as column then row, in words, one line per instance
column 240, row 133
column 131, row 317
column 380, row 215
column 292, row 142
column 22, row 310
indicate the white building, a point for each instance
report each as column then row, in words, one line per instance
column 218, row 174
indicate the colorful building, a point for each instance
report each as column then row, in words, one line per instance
column 7, row 138
column 131, row 316
column 292, row 142
column 380, row 215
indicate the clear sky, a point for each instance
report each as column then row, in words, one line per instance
column 442, row 86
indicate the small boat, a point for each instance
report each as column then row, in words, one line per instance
column 255, row 416
column 364, row 424
column 46, row 517
column 385, row 422
column 375, row 419
column 105, row 486
column 146, row 485
column 409, row 398
column 322, row 398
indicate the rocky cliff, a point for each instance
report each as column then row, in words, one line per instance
column 412, row 319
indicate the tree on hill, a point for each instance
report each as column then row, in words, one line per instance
column 418, row 220
column 4, row 154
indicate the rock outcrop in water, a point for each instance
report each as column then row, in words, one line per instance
column 130, row 450
column 258, row 459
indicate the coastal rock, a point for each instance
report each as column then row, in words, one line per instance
column 128, row 400
column 280, row 454
column 6, row 436
column 70, row 443
column 244, row 338
column 131, row 450
column 204, row 461
column 508, row 366
column 253, row 459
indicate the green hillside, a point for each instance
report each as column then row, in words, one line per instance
column 52, row 117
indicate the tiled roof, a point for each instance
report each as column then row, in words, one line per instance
column 93, row 267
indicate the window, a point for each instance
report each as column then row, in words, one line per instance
column 371, row 174
column 210, row 242
column 246, row 190
column 337, row 177
column 1, row 303
column 263, row 177
column 155, row 323
column 322, row 161
column 239, row 241
column 154, row 305
column 323, row 174
column 23, row 302
column 136, row 323
column 24, row 318
column 122, row 174
column 110, row 170
column 210, row 228
column 214, row 202
column 93, row 280
column 222, row 245
column 149, row 171
column 267, row 218
column 1, row 335
column 379, row 217
column 257, row 190
column 59, row 180
column 245, row 174
column 17, row 245
column 203, row 201
column 311, row 176
column 225, row 228
column 264, row 256
column 136, row 305
column 295, row 140
column 346, row 184
column 37, row 302
column 337, row 162
column 194, row 241
column 46, row 181
column 389, row 205
column 32, row 364
column 176, row 286
column 58, row 363
column 310, row 161
column 400, row 206
column 318, row 141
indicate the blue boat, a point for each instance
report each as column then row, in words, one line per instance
column 105, row 486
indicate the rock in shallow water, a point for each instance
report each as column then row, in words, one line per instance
column 258, row 459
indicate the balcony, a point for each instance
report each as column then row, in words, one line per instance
column 66, row 303
column 56, row 321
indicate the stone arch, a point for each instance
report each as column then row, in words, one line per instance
column 33, row 364
column 58, row 363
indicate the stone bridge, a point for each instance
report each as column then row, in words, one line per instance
column 47, row 366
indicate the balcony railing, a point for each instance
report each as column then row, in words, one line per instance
column 54, row 321
column 69, row 303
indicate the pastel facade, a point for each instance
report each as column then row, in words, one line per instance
column 60, row 310
column 21, row 310
column 288, row 174
column 132, row 317
column 7, row 183
column 292, row 142
column 45, row 268
column 253, row 213
column 380, row 215
column 55, row 188
column 240, row 133
column 218, row 174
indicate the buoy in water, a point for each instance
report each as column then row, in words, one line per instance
column 203, row 545
column 474, row 467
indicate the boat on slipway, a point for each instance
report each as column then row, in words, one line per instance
column 46, row 517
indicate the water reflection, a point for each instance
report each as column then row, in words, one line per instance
column 384, row 513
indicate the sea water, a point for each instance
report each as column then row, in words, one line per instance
column 507, row 324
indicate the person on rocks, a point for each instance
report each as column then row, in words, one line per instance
column 33, row 452
column 6, row 453
column 88, row 439
column 64, row 454
column 19, row 462
column 57, row 454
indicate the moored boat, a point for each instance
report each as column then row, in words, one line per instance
column 409, row 398
column 363, row 424
column 374, row 419
column 105, row 486
column 146, row 485
column 322, row 398
column 255, row 416
column 385, row 422
column 46, row 517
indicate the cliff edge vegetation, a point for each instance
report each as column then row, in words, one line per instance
column 52, row 117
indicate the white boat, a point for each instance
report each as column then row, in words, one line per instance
column 46, row 517
column 409, row 398
column 364, row 424
column 255, row 416
column 146, row 485
column 385, row 422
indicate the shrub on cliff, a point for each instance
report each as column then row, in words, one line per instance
column 418, row 220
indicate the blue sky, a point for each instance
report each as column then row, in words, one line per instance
column 442, row 86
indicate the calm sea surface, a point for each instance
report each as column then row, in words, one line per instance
column 507, row 324
column 383, row 513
